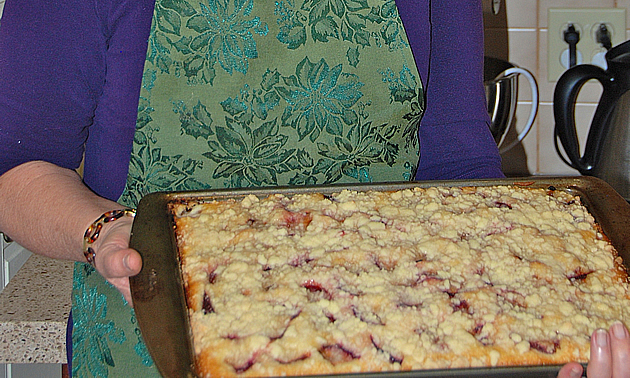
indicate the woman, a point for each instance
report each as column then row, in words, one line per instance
column 73, row 73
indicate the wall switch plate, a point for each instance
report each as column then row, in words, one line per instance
column 587, row 21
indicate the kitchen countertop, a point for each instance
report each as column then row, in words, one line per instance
column 34, row 309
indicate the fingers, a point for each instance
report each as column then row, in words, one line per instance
column 117, row 266
column 600, row 365
column 610, row 353
column 620, row 345
column 571, row 370
column 114, row 260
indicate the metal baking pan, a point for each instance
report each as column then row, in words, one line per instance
column 158, row 291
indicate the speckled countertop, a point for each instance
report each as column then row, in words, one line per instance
column 34, row 310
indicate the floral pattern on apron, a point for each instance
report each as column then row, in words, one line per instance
column 249, row 93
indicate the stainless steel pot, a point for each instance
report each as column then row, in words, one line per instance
column 501, row 84
column 607, row 149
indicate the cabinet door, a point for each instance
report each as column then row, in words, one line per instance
column 14, row 257
column 3, row 280
column 30, row 371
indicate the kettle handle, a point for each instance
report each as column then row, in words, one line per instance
column 565, row 95
column 533, row 85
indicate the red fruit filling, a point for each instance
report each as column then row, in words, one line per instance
column 206, row 304
column 299, row 260
column 579, row 274
column 244, row 367
column 477, row 330
column 367, row 316
column 392, row 359
column 331, row 317
column 316, row 291
column 462, row 306
column 545, row 346
column 451, row 291
column 502, row 205
column 514, row 298
column 337, row 354
column 299, row 358
column 296, row 221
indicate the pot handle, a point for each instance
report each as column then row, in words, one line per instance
column 532, row 113
column 564, row 97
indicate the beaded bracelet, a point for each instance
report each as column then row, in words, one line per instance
column 94, row 231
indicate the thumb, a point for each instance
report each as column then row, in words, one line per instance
column 571, row 370
column 118, row 263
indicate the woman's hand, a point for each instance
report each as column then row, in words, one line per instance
column 610, row 355
column 114, row 260
column 47, row 208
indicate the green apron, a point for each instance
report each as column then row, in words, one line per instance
column 246, row 93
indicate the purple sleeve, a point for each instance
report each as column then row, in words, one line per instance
column 48, row 85
column 108, row 148
column 69, row 67
column 455, row 140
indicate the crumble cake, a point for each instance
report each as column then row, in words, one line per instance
column 444, row 277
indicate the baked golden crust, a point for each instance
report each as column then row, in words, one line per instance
column 414, row 279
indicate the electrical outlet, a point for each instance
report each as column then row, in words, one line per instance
column 587, row 22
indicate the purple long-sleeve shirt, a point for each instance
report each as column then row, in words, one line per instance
column 73, row 66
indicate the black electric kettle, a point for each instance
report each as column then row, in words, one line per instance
column 607, row 149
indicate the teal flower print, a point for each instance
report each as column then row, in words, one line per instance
column 166, row 28
column 291, row 24
column 337, row 19
column 170, row 13
column 319, row 98
column 250, row 157
column 402, row 87
column 392, row 33
column 352, row 154
column 254, row 102
column 151, row 171
column 93, row 333
column 414, row 117
column 352, row 21
column 326, row 19
column 144, row 113
column 224, row 30
column 194, row 122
